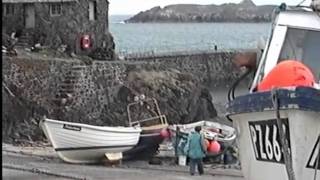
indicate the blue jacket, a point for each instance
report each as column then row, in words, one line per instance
column 196, row 146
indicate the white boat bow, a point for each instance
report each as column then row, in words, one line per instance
column 82, row 143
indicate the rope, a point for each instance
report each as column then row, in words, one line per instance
column 284, row 140
column 300, row 3
column 317, row 162
column 235, row 84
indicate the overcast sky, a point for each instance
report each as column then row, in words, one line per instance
column 135, row 6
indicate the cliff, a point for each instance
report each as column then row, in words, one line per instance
column 246, row 11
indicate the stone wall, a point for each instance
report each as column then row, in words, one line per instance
column 212, row 69
column 98, row 93
column 67, row 28
column 18, row 18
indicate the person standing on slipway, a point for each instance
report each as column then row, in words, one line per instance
column 196, row 150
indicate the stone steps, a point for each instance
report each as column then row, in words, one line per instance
column 24, row 40
column 22, row 44
column 70, row 83
column 78, row 67
column 67, row 85
column 65, row 91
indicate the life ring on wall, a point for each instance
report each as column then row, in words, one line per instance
column 288, row 73
column 86, row 42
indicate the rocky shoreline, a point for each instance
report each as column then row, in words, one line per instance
column 245, row 11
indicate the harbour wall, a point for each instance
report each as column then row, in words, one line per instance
column 97, row 92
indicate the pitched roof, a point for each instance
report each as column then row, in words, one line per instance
column 35, row 1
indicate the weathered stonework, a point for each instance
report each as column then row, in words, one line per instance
column 98, row 93
column 67, row 28
column 212, row 69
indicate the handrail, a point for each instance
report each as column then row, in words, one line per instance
column 162, row 117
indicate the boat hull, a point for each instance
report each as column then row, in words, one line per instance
column 260, row 147
column 304, row 128
column 80, row 143
column 147, row 146
column 90, row 154
column 221, row 132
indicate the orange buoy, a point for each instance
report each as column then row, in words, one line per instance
column 214, row 147
column 287, row 73
column 164, row 133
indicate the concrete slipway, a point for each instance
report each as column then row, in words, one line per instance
column 42, row 163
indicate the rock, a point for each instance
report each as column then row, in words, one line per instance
column 246, row 11
column 247, row 3
column 183, row 100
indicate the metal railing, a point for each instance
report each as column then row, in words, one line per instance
column 140, row 102
column 162, row 118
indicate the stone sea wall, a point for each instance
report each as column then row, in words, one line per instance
column 212, row 69
column 97, row 93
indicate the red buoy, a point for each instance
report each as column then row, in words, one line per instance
column 214, row 147
column 164, row 133
column 286, row 74
column 86, row 42
column 207, row 143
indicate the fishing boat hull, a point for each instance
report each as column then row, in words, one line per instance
column 225, row 135
column 260, row 147
column 82, row 143
column 211, row 130
column 148, row 144
column 152, row 126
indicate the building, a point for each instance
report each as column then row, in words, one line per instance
column 82, row 25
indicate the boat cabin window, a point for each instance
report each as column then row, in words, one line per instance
column 303, row 45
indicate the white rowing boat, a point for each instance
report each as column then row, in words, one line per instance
column 82, row 143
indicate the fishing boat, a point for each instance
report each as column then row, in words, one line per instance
column 210, row 130
column 82, row 143
column 154, row 127
column 279, row 128
column 219, row 136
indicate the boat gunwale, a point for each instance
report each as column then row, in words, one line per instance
column 154, row 127
column 116, row 129
column 300, row 98
column 91, row 147
column 269, row 110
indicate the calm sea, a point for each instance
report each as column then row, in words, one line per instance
column 175, row 37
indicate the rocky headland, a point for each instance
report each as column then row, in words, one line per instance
column 245, row 11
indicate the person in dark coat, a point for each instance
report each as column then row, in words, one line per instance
column 196, row 150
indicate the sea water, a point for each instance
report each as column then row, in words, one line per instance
column 185, row 37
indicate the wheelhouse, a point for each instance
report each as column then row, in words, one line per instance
column 295, row 36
